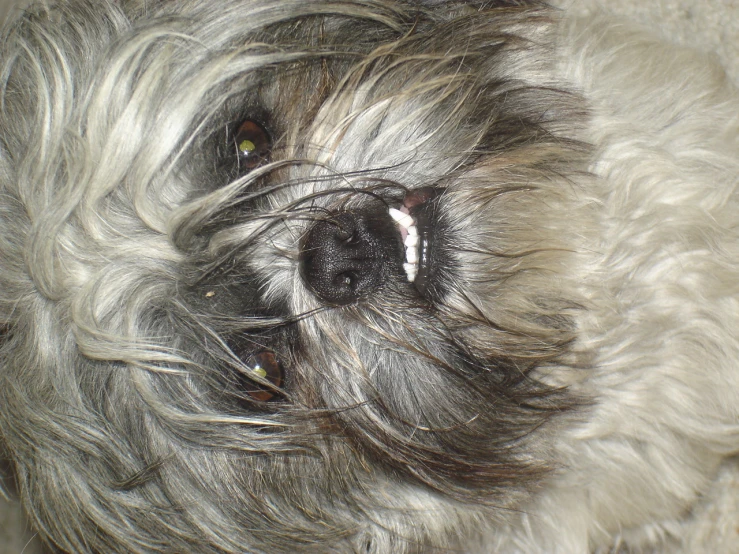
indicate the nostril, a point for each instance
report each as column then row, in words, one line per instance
column 346, row 280
column 344, row 230
column 350, row 239
column 344, row 258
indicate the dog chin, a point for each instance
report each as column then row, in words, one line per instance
column 366, row 277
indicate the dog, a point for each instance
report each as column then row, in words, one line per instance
column 373, row 276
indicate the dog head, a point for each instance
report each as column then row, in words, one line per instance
column 280, row 273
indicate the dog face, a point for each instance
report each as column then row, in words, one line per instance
column 287, row 275
column 222, row 334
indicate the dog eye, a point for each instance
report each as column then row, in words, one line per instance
column 253, row 145
column 264, row 364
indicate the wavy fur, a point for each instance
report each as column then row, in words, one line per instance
column 567, row 385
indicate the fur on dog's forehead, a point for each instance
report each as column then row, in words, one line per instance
column 141, row 273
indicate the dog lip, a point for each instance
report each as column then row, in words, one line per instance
column 415, row 197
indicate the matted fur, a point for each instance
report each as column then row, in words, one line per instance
column 568, row 383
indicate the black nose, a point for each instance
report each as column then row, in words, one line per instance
column 346, row 256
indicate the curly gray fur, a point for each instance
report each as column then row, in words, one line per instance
column 137, row 271
column 143, row 266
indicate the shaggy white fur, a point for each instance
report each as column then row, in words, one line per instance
column 663, row 294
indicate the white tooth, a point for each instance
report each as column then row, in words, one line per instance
column 401, row 218
column 397, row 215
column 411, row 240
column 407, row 222
column 413, row 231
column 411, row 254
column 410, row 270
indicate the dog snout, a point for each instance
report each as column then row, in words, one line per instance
column 346, row 257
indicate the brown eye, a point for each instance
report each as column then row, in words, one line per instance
column 265, row 365
column 253, row 145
